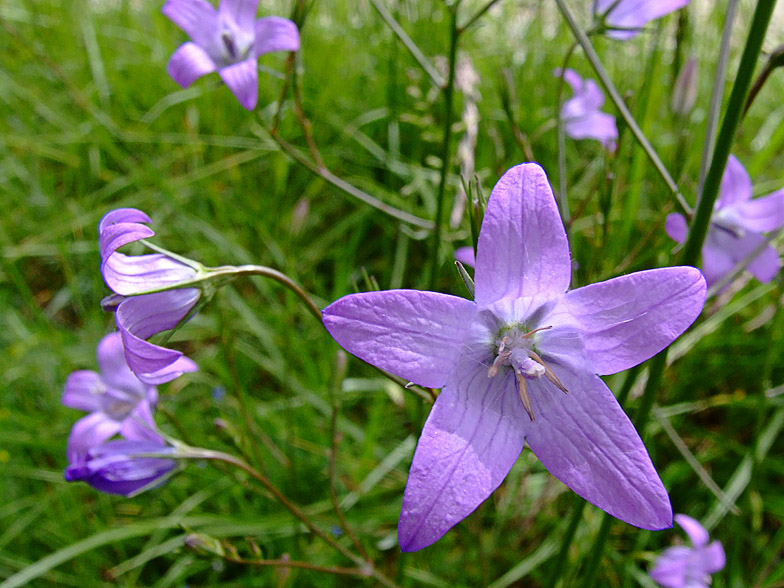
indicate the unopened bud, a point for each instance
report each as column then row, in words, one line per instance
column 684, row 94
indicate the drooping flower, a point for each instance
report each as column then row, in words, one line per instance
column 581, row 114
column 228, row 41
column 138, row 315
column 625, row 18
column 689, row 567
column 736, row 227
column 519, row 365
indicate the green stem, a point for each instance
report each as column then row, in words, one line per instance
column 562, row 197
column 449, row 93
column 479, row 14
column 732, row 117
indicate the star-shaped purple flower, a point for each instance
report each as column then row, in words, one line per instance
column 581, row 114
column 689, row 567
column 228, row 41
column 736, row 227
column 519, row 366
column 625, row 18
column 138, row 315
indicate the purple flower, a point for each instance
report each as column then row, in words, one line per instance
column 736, row 227
column 519, row 365
column 581, row 115
column 140, row 316
column 625, row 18
column 228, row 40
column 689, row 567
column 465, row 255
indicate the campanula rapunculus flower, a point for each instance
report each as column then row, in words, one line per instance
column 689, row 567
column 519, row 365
column 228, row 41
column 625, row 18
column 736, row 227
column 139, row 315
column 581, row 114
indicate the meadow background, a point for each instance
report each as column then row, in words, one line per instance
column 90, row 121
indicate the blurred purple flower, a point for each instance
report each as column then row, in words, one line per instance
column 689, row 567
column 736, row 227
column 581, row 115
column 228, row 41
column 140, row 316
column 506, row 360
column 465, row 255
column 625, row 18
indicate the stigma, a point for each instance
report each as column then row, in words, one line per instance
column 514, row 348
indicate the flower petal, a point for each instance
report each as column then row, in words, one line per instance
column 712, row 559
column 140, row 426
column 671, row 567
column 697, row 534
column 723, row 250
column 586, row 440
column 415, row 335
column 188, row 63
column 635, row 14
column 136, row 274
column 470, row 441
column 465, row 255
column 594, row 125
column 120, row 227
column 275, row 34
column 242, row 12
column 522, row 248
column 114, row 369
column 198, row 18
column 760, row 214
column 87, row 432
column 735, row 184
column 83, row 390
column 141, row 317
column 631, row 318
column 676, row 228
column 243, row 80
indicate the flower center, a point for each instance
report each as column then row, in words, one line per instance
column 514, row 348
column 230, row 45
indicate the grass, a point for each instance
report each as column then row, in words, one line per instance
column 91, row 122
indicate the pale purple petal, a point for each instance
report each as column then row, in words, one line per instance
column 671, row 567
column 465, row 255
column 415, row 335
column 89, row 431
column 716, row 262
column 275, row 34
column 122, row 215
column 635, row 14
column 83, row 390
column 522, row 248
column 114, row 369
column 198, row 18
column 696, row 532
column 723, row 250
column 586, row 440
column 587, row 97
column 120, row 227
column 242, row 12
column 141, row 317
column 140, row 426
column 129, row 275
column 631, row 318
column 188, row 63
column 760, row 214
column 735, row 184
column 675, row 226
column 470, row 441
column 243, row 80
column 595, row 125
column 711, row 559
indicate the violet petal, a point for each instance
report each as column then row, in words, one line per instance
column 133, row 274
column 89, row 431
column 712, row 558
column 735, row 184
column 594, row 125
column 188, row 63
column 114, row 369
column 243, row 80
column 697, row 534
column 242, row 12
column 274, row 33
column 198, row 18
column 676, row 228
column 671, row 567
column 83, row 390
column 759, row 214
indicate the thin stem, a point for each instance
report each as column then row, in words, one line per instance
column 289, row 563
column 562, row 197
column 718, row 90
column 449, row 92
column 283, row 91
column 558, row 568
column 608, row 85
column 479, row 14
column 588, row 579
column 304, row 123
column 776, row 59
column 740, row 89
column 431, row 71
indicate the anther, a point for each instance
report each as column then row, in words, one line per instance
column 228, row 42
column 548, row 372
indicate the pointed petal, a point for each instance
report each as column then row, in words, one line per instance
column 134, row 274
column 89, row 432
column 586, row 440
column 671, row 567
column 522, row 248
column 594, row 125
column 242, row 12
column 116, row 230
column 638, row 13
column 275, row 34
column 723, row 250
column 243, row 80
column 197, row 18
column 415, row 335
column 760, row 214
column 465, row 255
column 712, row 558
column 735, row 184
column 114, row 369
column 631, row 318
column 141, row 317
column 696, row 532
column 140, row 426
column 83, row 390
column 470, row 441
column 676, row 228
column 188, row 63
column 122, row 215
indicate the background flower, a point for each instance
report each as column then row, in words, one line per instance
column 581, row 114
column 689, row 567
column 633, row 14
